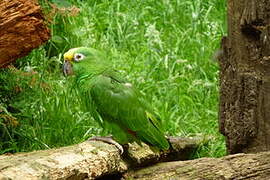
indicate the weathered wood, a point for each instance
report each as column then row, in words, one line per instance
column 22, row 29
column 90, row 159
column 244, row 116
column 236, row 167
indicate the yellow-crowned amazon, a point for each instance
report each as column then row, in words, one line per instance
column 121, row 107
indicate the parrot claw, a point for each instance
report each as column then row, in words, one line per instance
column 109, row 140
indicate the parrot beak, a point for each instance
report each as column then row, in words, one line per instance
column 67, row 68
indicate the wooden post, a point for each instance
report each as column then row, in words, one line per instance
column 244, row 115
column 22, row 29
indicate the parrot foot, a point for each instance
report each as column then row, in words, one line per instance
column 109, row 140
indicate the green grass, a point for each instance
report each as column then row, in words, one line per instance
column 164, row 47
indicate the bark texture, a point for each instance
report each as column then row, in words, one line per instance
column 233, row 167
column 22, row 29
column 245, row 77
column 89, row 160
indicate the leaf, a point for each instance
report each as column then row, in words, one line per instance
column 57, row 39
column 62, row 3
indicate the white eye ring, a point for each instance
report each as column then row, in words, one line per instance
column 78, row 57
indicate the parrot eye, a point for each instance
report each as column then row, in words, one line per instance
column 78, row 57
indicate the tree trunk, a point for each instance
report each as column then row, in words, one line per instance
column 244, row 115
column 90, row 160
column 233, row 167
column 22, row 29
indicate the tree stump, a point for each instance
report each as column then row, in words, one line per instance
column 244, row 116
column 22, row 29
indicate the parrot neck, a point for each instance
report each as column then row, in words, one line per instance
column 86, row 75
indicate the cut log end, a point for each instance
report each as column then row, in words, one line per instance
column 22, row 28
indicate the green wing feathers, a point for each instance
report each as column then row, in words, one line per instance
column 154, row 136
column 118, row 104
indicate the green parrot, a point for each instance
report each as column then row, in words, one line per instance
column 114, row 103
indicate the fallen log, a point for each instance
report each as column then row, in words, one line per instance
column 236, row 167
column 22, row 28
column 89, row 160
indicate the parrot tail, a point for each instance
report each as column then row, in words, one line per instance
column 154, row 137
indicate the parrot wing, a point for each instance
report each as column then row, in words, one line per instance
column 119, row 103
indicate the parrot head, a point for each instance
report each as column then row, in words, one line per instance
column 82, row 61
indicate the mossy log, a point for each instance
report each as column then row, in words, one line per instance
column 236, row 167
column 22, row 28
column 89, row 160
